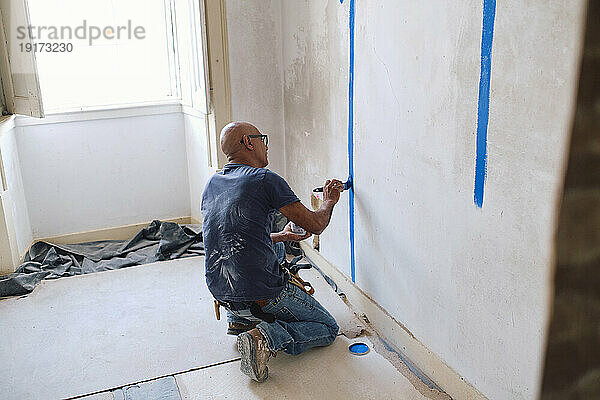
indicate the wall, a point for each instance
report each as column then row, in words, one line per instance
column 471, row 284
column 197, row 152
column 13, row 199
column 315, row 56
column 254, row 28
column 86, row 175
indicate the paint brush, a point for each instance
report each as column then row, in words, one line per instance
column 347, row 185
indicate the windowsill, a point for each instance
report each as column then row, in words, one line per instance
column 105, row 112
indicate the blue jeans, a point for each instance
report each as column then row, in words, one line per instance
column 300, row 322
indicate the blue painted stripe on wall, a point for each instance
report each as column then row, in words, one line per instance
column 351, row 142
column 483, row 110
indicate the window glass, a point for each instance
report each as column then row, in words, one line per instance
column 120, row 52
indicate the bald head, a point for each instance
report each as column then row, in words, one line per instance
column 240, row 147
column 232, row 134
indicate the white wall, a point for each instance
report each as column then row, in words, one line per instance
column 81, row 176
column 471, row 284
column 254, row 29
column 315, row 56
column 197, row 151
column 14, row 201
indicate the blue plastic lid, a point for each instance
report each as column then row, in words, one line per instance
column 358, row 348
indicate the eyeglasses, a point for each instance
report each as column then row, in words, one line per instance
column 264, row 138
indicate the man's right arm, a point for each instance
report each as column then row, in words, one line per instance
column 315, row 222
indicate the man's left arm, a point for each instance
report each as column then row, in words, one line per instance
column 279, row 194
column 286, row 235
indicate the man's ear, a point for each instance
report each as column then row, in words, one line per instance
column 248, row 143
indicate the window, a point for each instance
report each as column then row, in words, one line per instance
column 109, row 52
column 72, row 55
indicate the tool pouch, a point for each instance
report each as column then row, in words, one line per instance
column 292, row 268
column 302, row 284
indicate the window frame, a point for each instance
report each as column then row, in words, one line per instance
column 21, row 90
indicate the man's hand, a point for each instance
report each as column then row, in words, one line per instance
column 315, row 221
column 286, row 235
column 332, row 190
column 294, row 237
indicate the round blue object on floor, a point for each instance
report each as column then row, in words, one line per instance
column 358, row 348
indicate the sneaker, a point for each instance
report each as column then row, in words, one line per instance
column 236, row 328
column 252, row 346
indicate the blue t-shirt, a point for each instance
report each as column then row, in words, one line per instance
column 237, row 206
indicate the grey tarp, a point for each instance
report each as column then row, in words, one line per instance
column 157, row 242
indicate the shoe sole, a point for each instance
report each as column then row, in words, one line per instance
column 237, row 331
column 247, row 349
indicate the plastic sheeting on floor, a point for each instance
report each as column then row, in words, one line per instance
column 157, row 242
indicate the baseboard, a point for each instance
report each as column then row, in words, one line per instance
column 397, row 334
column 116, row 233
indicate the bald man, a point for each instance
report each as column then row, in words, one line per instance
column 243, row 257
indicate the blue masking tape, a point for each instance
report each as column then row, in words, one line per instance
column 483, row 108
column 351, row 141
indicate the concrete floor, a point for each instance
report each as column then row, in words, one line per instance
column 150, row 332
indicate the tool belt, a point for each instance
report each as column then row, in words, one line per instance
column 256, row 306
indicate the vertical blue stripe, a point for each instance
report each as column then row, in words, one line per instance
column 351, row 142
column 483, row 110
